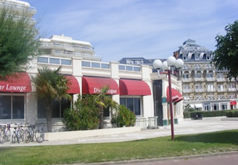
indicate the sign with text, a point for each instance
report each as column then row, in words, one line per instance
column 16, row 83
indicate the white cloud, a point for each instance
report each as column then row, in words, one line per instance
column 141, row 28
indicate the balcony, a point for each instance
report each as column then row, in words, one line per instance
column 187, row 79
column 221, row 90
column 199, row 90
column 231, row 89
column 211, row 90
column 221, row 79
column 198, row 79
column 187, row 90
column 210, row 78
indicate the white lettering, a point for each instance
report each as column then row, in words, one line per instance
column 110, row 91
column 15, row 88
column 2, row 87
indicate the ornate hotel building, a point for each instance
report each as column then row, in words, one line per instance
column 205, row 87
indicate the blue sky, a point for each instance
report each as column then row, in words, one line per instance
column 136, row 28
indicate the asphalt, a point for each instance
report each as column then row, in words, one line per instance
column 184, row 127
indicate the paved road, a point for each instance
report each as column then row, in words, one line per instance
column 185, row 127
column 227, row 159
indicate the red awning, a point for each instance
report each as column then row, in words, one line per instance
column 176, row 95
column 72, row 84
column 233, row 102
column 93, row 85
column 134, row 87
column 16, row 83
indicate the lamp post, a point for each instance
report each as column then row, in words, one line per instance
column 168, row 66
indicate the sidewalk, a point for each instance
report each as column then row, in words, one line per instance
column 185, row 127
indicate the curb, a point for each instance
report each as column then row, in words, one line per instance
column 158, row 159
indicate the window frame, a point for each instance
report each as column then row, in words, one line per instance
column 11, row 113
column 134, row 97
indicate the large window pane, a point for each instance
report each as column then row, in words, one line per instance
column 122, row 67
column 54, row 61
column 137, row 106
column 41, row 109
column 42, row 59
column 95, row 65
column 130, row 103
column 18, row 107
column 86, row 64
column 65, row 104
column 66, row 62
column 105, row 66
column 5, row 107
column 56, row 109
column 123, row 101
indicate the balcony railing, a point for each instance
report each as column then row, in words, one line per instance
column 210, row 78
column 221, row 79
column 199, row 90
column 187, row 79
column 210, row 90
column 198, row 79
column 187, row 90
column 221, row 90
column 231, row 89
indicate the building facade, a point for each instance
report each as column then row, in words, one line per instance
column 129, row 85
column 205, row 87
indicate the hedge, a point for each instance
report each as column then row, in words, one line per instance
column 233, row 113
column 228, row 113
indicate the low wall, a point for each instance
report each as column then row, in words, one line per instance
column 67, row 135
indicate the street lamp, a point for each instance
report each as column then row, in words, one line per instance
column 168, row 65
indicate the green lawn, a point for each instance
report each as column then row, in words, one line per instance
column 150, row 148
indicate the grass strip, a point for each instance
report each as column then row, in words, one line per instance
column 207, row 143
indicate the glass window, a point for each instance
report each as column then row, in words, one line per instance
column 42, row 59
column 130, row 103
column 66, row 62
column 55, row 107
column 41, row 108
column 133, row 104
column 123, row 101
column 105, row 66
column 129, row 68
column 54, row 61
column 106, row 112
column 95, row 65
column 137, row 106
column 86, row 64
column 45, row 51
column 137, row 69
column 11, row 107
column 5, row 107
column 18, row 107
column 122, row 67
column 57, row 112
column 224, row 106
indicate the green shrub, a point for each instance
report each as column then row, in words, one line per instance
column 124, row 117
column 187, row 114
column 84, row 116
column 205, row 113
column 233, row 113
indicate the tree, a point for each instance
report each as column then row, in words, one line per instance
column 104, row 101
column 18, row 42
column 50, row 86
column 226, row 53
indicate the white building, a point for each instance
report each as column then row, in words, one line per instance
column 130, row 85
column 134, row 86
column 205, row 87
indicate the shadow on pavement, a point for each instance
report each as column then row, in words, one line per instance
column 228, row 137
